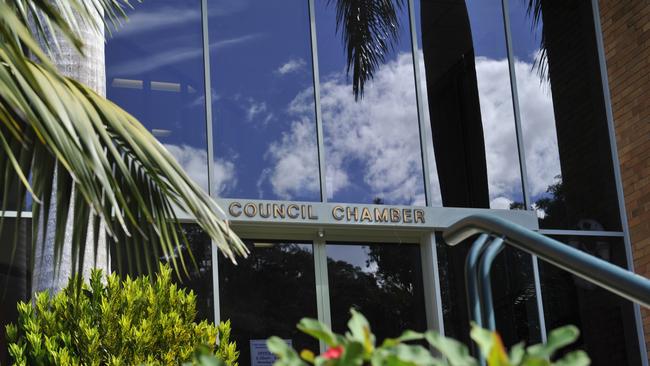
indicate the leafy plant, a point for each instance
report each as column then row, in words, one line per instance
column 358, row 347
column 130, row 322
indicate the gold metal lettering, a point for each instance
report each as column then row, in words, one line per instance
column 337, row 213
column 247, row 210
column 419, row 216
column 293, row 207
column 394, row 215
column 266, row 214
column 407, row 215
column 381, row 215
column 310, row 213
column 235, row 209
column 278, row 211
column 354, row 211
column 365, row 215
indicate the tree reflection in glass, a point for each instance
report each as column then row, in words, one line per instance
column 564, row 122
column 268, row 293
column 368, row 102
column 383, row 281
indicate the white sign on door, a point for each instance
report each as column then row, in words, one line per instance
column 260, row 354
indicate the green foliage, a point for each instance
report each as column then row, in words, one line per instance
column 115, row 322
column 358, row 347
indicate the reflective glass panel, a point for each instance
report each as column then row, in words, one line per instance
column 513, row 292
column 566, row 138
column 267, row 294
column 131, row 260
column 468, row 103
column 382, row 281
column 372, row 148
column 606, row 321
column 154, row 70
column 263, row 100
column 15, row 273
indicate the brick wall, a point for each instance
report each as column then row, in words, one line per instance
column 626, row 31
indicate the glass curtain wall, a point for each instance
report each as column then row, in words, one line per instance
column 566, row 137
column 368, row 103
column 154, row 70
column 606, row 321
column 468, row 103
column 265, row 125
column 263, row 100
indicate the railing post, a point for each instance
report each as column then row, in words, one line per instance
column 484, row 267
column 471, row 279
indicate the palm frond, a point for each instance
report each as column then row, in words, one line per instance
column 69, row 145
column 369, row 31
column 534, row 12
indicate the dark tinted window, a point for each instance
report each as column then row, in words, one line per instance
column 468, row 103
column 268, row 293
column 605, row 320
column 15, row 272
column 382, row 281
column 513, row 292
column 566, row 138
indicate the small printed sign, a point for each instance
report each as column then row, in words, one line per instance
column 260, row 354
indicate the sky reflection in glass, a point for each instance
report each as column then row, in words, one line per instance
column 154, row 70
column 372, row 148
column 263, row 100
column 475, row 94
column 563, row 117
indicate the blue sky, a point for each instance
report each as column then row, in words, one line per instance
column 263, row 110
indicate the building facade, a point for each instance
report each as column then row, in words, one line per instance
column 341, row 185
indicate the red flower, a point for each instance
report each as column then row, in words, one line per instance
column 333, row 353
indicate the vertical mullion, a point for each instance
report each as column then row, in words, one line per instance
column 431, row 283
column 210, row 146
column 319, row 122
column 505, row 7
column 538, row 296
column 617, row 170
column 322, row 286
column 515, row 103
column 419, row 100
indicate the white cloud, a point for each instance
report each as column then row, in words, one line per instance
column 290, row 66
column 538, row 124
column 195, row 163
column 380, row 132
column 173, row 56
column 377, row 138
column 147, row 20
column 502, row 158
column 258, row 112
column 294, row 161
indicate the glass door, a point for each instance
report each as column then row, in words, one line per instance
column 266, row 295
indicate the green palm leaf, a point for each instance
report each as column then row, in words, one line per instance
column 66, row 143
column 369, row 31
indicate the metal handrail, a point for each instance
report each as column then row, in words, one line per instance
column 597, row 271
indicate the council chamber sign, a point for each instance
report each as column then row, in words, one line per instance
column 336, row 213
column 241, row 211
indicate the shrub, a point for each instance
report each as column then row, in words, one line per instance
column 358, row 347
column 130, row 322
